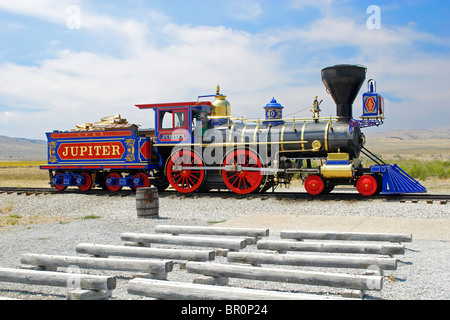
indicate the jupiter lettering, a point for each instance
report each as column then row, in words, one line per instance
column 91, row 151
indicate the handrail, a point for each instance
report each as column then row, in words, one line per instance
column 289, row 120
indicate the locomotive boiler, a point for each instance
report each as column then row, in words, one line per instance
column 199, row 146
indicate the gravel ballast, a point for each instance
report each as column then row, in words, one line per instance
column 55, row 224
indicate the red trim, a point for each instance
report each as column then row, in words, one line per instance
column 99, row 167
column 173, row 104
column 90, row 134
column 124, row 167
column 145, row 150
column 91, row 150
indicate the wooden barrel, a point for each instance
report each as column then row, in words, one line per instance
column 147, row 202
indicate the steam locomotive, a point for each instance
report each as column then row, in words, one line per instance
column 199, row 146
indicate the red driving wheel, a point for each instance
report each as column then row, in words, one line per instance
column 367, row 185
column 87, row 182
column 113, row 187
column 314, row 184
column 180, row 177
column 243, row 181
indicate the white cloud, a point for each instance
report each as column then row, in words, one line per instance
column 86, row 86
column 77, row 87
column 6, row 117
column 332, row 32
column 60, row 12
column 50, row 10
column 324, row 6
column 245, row 10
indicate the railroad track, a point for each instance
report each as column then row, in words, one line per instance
column 280, row 195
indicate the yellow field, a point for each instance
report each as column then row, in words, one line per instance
column 35, row 163
column 426, row 149
column 23, row 174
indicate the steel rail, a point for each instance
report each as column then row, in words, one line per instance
column 336, row 195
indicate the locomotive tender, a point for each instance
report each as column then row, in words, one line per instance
column 199, row 146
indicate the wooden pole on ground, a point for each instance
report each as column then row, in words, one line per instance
column 358, row 282
column 58, row 279
column 312, row 260
column 218, row 231
column 338, row 247
column 172, row 254
column 169, row 290
column 147, row 239
column 51, row 262
column 351, row 236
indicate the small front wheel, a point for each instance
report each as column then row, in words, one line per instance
column 314, row 185
column 367, row 185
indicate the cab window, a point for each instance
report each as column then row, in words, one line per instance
column 179, row 119
column 166, row 120
column 172, row 119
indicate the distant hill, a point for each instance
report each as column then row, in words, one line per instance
column 417, row 134
column 22, row 149
column 431, row 144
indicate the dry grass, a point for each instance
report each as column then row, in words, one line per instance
column 423, row 150
column 23, row 175
column 9, row 219
column 436, row 185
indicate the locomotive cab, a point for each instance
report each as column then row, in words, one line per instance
column 181, row 122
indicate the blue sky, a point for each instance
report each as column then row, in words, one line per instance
column 66, row 62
